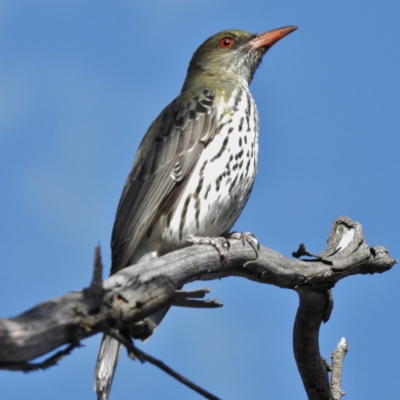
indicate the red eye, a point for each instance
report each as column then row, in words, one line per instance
column 226, row 43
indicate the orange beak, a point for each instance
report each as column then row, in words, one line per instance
column 268, row 39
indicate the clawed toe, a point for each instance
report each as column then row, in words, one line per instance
column 245, row 237
column 221, row 244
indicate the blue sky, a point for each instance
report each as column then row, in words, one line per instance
column 81, row 81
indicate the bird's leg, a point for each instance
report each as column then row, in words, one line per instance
column 245, row 237
column 221, row 244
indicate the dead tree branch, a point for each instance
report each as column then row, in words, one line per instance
column 337, row 357
column 126, row 298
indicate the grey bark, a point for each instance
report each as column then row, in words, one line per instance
column 138, row 291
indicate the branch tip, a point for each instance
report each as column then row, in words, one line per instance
column 142, row 356
column 43, row 365
column 337, row 357
column 97, row 282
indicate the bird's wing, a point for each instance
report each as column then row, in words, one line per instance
column 167, row 155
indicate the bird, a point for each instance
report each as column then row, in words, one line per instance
column 195, row 167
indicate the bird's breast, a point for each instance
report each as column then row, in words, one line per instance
column 221, row 182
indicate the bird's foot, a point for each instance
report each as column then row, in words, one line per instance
column 221, row 244
column 245, row 237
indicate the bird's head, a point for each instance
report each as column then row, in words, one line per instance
column 233, row 54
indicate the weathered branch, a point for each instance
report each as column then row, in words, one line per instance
column 312, row 310
column 337, row 357
column 138, row 291
column 133, row 352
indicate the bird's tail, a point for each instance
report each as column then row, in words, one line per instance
column 110, row 348
column 105, row 367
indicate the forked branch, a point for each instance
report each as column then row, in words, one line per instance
column 128, row 297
